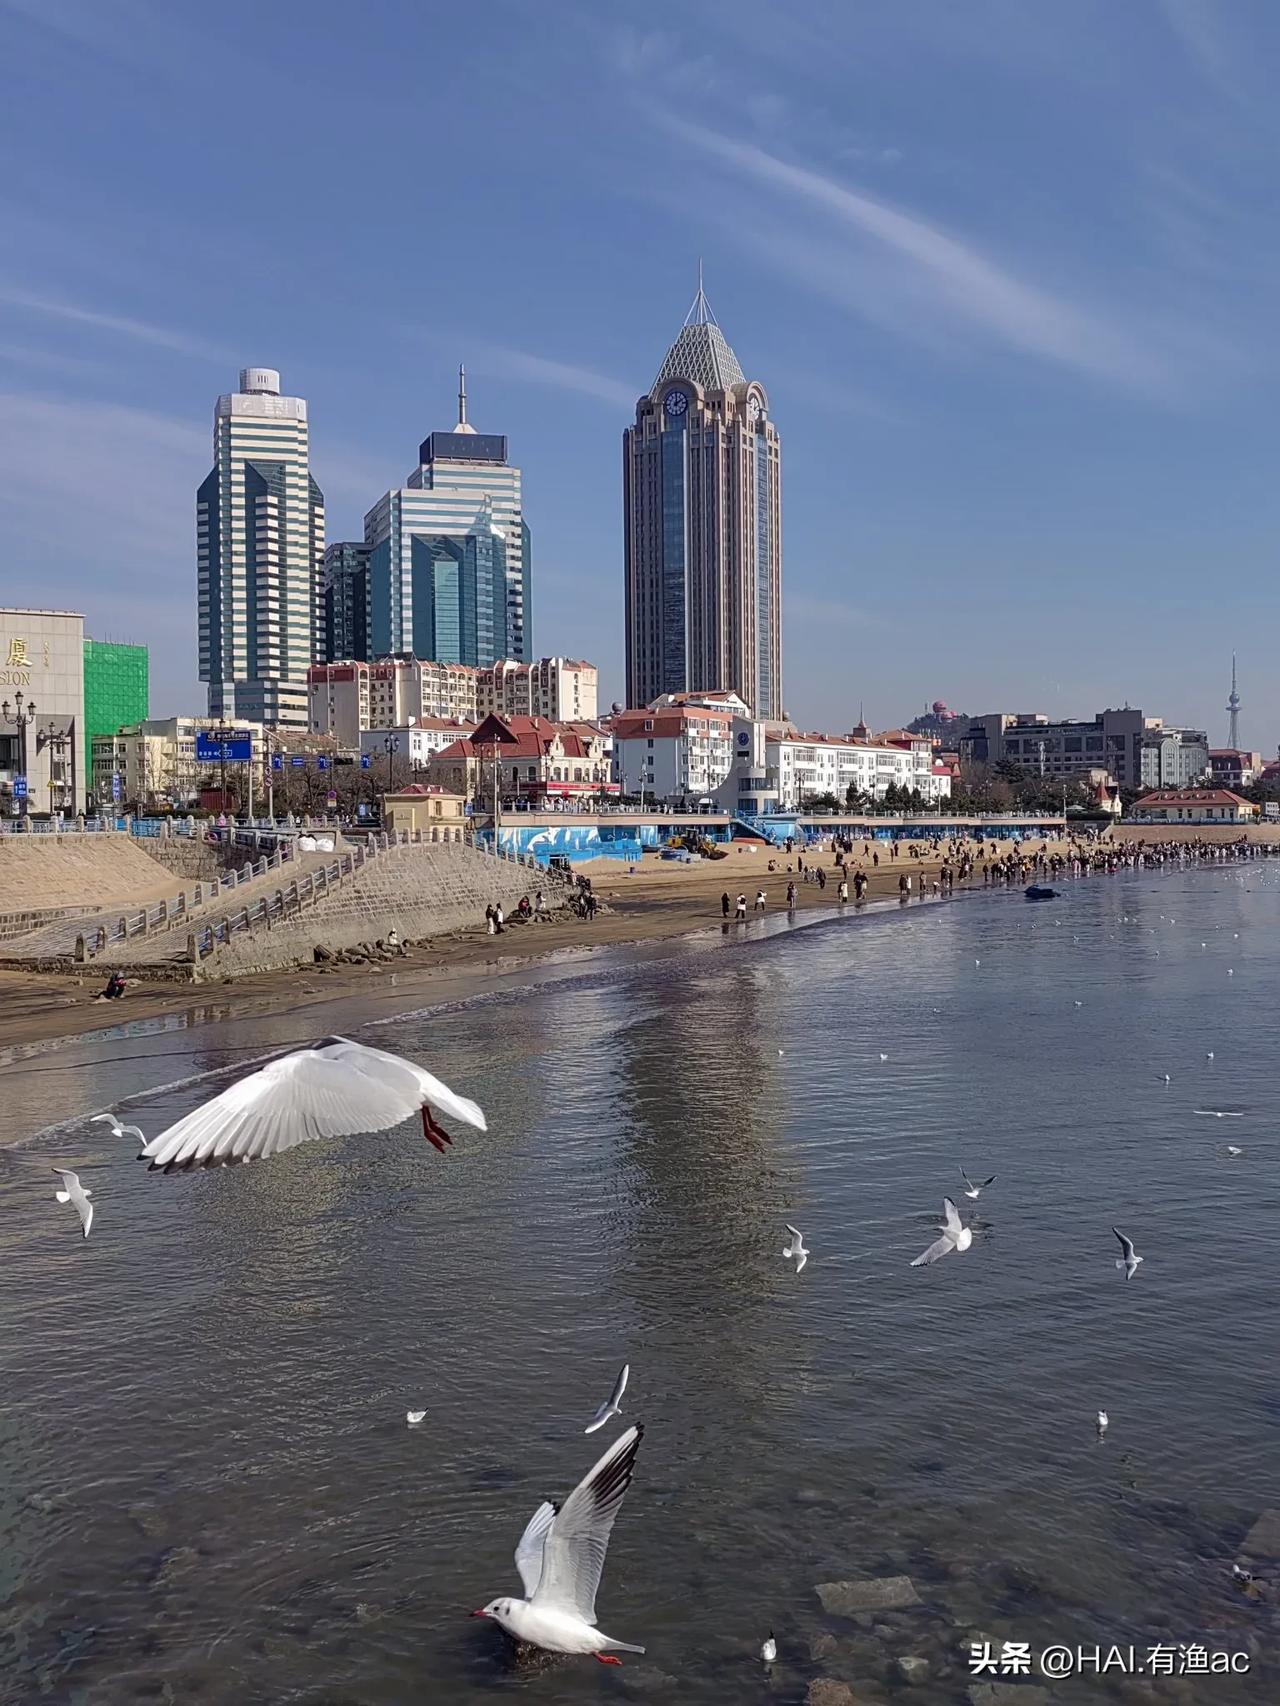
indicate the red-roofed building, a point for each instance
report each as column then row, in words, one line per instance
column 1232, row 768
column 536, row 760
column 676, row 749
column 1194, row 805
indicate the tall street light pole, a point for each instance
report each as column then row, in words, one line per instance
column 20, row 720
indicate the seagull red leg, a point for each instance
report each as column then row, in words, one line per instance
column 434, row 1134
column 606, row 1659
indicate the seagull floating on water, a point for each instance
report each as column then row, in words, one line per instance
column 1104, row 1421
column 1131, row 1258
column 769, row 1651
column 335, row 1089
column 796, row 1248
column 561, row 1559
column 118, row 1130
column 74, row 1193
column 1234, row 1149
column 1244, row 1577
column 413, row 1417
column 972, row 1190
column 883, row 1058
column 954, row 1237
column 614, row 1405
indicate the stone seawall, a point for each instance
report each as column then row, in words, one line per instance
column 421, row 891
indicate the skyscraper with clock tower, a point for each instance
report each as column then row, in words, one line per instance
column 701, row 474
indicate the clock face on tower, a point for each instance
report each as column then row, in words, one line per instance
column 754, row 411
column 676, row 403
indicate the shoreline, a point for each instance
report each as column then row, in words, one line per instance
column 661, row 902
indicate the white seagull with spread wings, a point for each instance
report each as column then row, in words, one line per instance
column 614, row 1405
column 335, row 1089
column 1130, row 1259
column 561, row 1559
column 954, row 1237
column 118, row 1130
column 74, row 1193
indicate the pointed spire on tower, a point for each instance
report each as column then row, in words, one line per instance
column 463, row 425
column 700, row 313
column 1233, row 710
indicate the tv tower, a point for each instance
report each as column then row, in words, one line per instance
column 1233, row 710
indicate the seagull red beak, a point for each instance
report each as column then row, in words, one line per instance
column 479, row 1613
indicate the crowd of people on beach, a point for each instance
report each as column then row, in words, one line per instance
column 1007, row 864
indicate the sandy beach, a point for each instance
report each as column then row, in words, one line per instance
column 660, row 898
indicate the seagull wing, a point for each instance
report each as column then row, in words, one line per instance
column 792, row 1230
column 574, row 1553
column 937, row 1249
column 305, row 1095
column 111, row 1120
column 1126, row 1244
column 990, row 1181
column 532, row 1541
column 968, row 1182
column 430, row 1088
column 953, row 1227
column 620, row 1385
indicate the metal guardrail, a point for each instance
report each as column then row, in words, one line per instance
column 167, row 914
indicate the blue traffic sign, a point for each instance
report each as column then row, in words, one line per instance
column 19, row 787
column 235, row 749
column 277, row 762
column 366, row 759
column 322, row 763
column 298, row 763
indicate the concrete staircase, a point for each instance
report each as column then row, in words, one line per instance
column 421, row 888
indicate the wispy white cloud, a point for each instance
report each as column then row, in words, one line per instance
column 126, row 558
column 957, row 275
column 500, row 361
column 1198, row 27
column 142, row 331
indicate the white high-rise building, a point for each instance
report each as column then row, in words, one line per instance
column 260, row 545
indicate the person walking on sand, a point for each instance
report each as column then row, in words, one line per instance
column 742, row 908
column 859, row 886
column 490, row 921
column 791, row 897
column 759, row 907
column 724, row 904
column 844, row 890
column 822, row 878
column 539, row 905
column 499, row 918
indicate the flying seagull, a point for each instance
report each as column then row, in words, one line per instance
column 614, row 1405
column 561, row 1559
column 118, row 1130
column 972, row 1190
column 332, row 1090
column 1220, row 1113
column 796, row 1248
column 954, row 1237
column 1129, row 1261
column 75, row 1193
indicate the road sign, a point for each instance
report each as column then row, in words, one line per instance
column 19, row 787
column 322, row 763
column 235, row 749
column 298, row 763
column 277, row 762
column 332, row 799
column 366, row 759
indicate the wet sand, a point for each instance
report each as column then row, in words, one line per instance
column 662, row 898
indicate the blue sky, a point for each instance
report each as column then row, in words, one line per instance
column 1006, row 269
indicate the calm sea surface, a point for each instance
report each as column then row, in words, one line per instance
column 208, row 1493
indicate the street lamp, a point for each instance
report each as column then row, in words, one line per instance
column 57, row 740
column 391, row 744
column 20, row 719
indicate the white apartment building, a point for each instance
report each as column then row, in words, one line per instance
column 414, row 742
column 349, row 697
column 156, row 760
column 672, row 752
column 801, row 766
column 564, row 690
column 259, row 550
